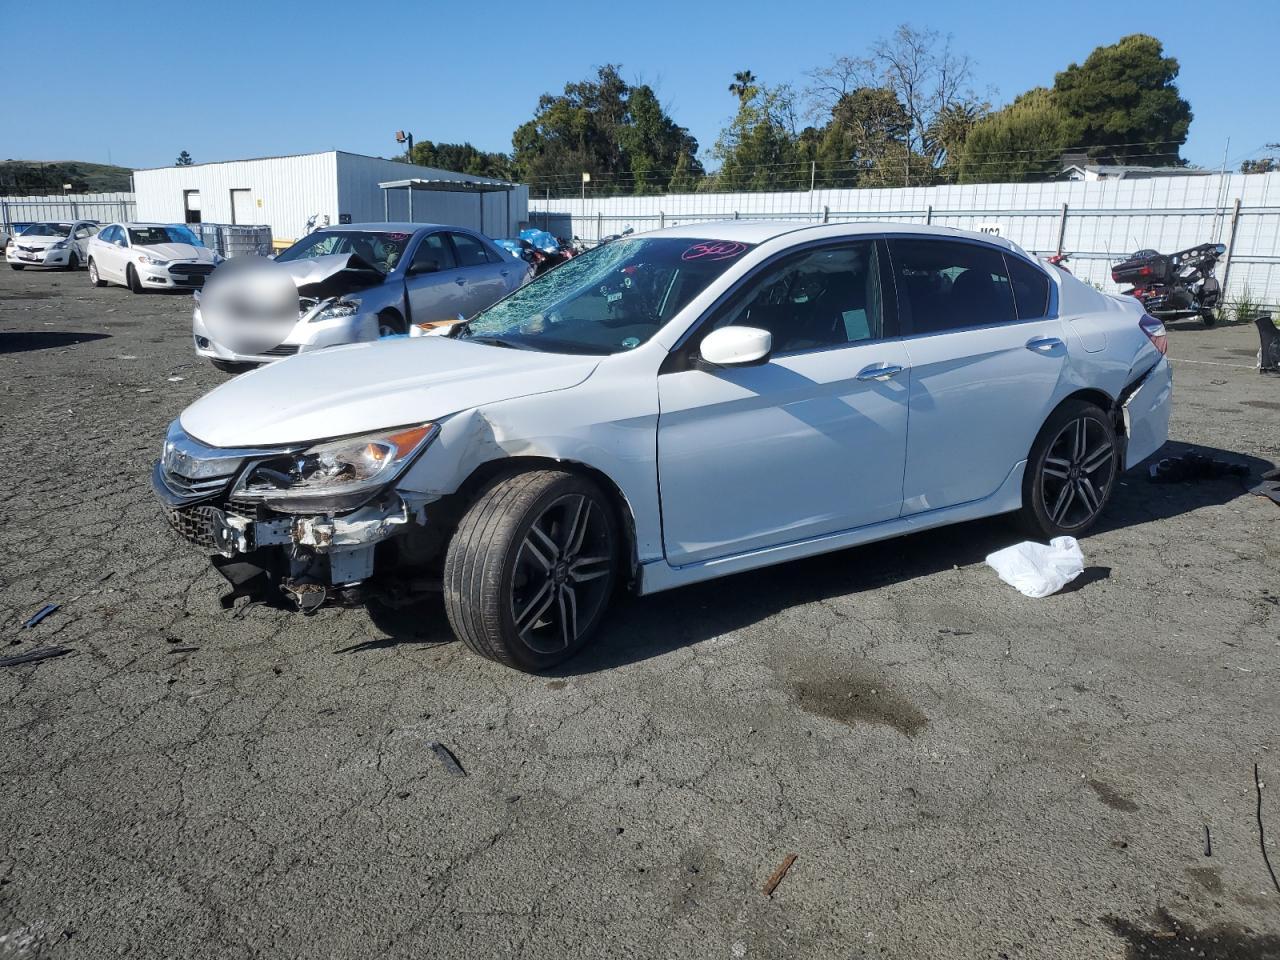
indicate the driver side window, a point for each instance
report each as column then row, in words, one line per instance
column 433, row 255
column 821, row 298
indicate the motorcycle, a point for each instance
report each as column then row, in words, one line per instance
column 1177, row 285
column 543, row 250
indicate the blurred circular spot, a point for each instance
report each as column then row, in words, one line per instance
column 249, row 304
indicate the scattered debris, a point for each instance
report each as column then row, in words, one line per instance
column 34, row 656
column 1262, row 833
column 1036, row 569
column 1208, row 843
column 176, row 379
column 1269, row 487
column 1269, row 352
column 448, row 759
column 184, row 650
column 40, row 614
column 1194, row 466
column 778, row 874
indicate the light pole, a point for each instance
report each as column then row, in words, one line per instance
column 406, row 138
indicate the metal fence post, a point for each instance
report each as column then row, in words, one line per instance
column 662, row 219
column 599, row 224
column 928, row 214
column 1062, row 228
column 735, row 214
column 826, row 214
column 1231, row 245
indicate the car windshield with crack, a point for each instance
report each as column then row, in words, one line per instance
column 609, row 300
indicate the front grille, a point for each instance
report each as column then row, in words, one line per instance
column 192, row 269
column 194, row 524
column 284, row 350
column 196, row 488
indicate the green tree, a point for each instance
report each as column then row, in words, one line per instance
column 618, row 133
column 462, row 158
column 1024, row 141
column 760, row 149
column 743, row 86
column 1122, row 103
column 184, row 160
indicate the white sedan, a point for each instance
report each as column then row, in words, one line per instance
column 669, row 408
column 149, row 256
column 51, row 244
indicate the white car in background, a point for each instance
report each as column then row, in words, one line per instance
column 149, row 256
column 51, row 244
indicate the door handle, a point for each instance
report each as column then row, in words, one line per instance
column 879, row 371
column 505, row 273
column 1043, row 344
column 461, row 281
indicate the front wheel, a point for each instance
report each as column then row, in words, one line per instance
column 16, row 266
column 1070, row 472
column 232, row 366
column 390, row 324
column 131, row 278
column 73, row 262
column 531, row 569
column 1208, row 317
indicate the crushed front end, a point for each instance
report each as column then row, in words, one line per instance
column 308, row 524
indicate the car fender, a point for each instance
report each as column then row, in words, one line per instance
column 607, row 423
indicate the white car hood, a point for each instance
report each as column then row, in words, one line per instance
column 176, row 251
column 364, row 387
column 39, row 243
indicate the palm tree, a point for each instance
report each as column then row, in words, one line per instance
column 743, row 85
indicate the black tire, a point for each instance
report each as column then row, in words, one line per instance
column 1071, row 472
column 517, row 556
column 17, row 266
column 131, row 279
column 232, row 366
column 390, row 324
column 73, row 262
column 1208, row 317
column 96, row 280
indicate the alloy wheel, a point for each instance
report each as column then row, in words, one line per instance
column 561, row 577
column 1077, row 473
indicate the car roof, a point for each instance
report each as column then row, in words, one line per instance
column 394, row 226
column 762, row 231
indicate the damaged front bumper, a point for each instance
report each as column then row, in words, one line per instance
column 308, row 561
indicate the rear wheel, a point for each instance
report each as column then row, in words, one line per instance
column 531, row 568
column 1208, row 317
column 131, row 278
column 96, row 280
column 1070, row 472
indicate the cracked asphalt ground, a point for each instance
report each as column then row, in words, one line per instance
column 960, row 771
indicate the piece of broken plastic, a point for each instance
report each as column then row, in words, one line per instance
column 1037, row 569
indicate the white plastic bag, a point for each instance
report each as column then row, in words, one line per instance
column 1037, row 570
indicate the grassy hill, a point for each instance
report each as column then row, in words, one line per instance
column 27, row 177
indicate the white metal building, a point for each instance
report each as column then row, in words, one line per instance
column 283, row 192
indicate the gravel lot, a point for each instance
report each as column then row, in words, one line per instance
column 960, row 771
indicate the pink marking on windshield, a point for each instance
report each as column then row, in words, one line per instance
column 714, row 250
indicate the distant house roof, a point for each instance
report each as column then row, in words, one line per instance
column 1120, row 171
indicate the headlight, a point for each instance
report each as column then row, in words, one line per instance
column 337, row 309
column 334, row 476
column 152, row 261
column 60, row 245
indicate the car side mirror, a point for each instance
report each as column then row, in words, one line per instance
column 736, row 347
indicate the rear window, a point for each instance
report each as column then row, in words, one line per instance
column 1030, row 289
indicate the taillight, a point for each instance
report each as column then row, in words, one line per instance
column 1155, row 332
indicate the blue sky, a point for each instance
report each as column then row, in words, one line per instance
column 138, row 82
